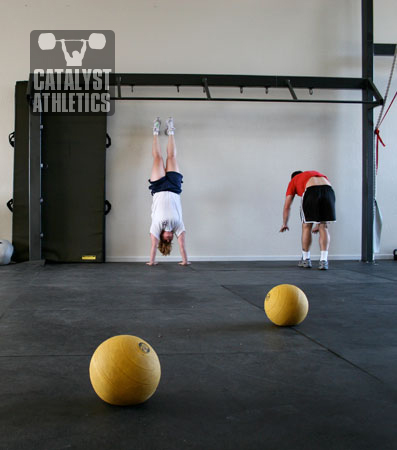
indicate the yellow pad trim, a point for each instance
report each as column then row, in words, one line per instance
column 88, row 258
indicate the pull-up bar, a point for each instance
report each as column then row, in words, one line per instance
column 266, row 82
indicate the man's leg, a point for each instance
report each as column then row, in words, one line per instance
column 306, row 236
column 171, row 163
column 158, row 170
column 324, row 237
column 306, row 243
column 324, row 240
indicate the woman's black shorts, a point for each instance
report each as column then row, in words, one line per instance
column 318, row 204
column 172, row 181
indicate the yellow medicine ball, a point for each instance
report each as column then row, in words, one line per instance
column 125, row 370
column 286, row 305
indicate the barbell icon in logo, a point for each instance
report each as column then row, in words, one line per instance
column 96, row 41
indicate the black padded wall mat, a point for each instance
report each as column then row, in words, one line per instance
column 73, row 187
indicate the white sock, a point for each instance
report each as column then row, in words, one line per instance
column 324, row 256
column 305, row 255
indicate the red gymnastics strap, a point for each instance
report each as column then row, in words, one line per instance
column 378, row 138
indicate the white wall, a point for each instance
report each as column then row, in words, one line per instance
column 236, row 158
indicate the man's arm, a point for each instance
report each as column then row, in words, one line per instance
column 153, row 249
column 182, row 249
column 287, row 208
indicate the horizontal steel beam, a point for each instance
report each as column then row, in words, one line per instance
column 258, row 100
column 253, row 81
column 384, row 49
column 206, row 82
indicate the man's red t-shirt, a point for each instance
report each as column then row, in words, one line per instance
column 298, row 184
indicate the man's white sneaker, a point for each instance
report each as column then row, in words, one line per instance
column 169, row 126
column 305, row 263
column 323, row 265
column 156, row 126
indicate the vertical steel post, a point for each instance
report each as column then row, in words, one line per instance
column 368, row 151
column 35, row 125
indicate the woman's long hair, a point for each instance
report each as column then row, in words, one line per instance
column 164, row 246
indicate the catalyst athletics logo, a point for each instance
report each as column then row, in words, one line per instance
column 70, row 71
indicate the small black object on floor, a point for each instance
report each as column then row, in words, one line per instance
column 230, row 378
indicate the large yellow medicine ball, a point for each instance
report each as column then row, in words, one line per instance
column 286, row 305
column 125, row 370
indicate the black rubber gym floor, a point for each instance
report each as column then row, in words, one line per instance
column 230, row 379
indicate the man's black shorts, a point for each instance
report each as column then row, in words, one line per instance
column 318, row 204
column 172, row 181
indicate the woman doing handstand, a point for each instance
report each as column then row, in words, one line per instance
column 166, row 187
